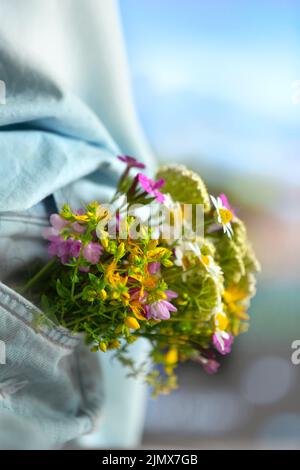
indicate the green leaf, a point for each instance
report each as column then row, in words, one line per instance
column 93, row 278
column 62, row 291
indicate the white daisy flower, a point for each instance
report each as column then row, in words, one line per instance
column 212, row 268
column 224, row 215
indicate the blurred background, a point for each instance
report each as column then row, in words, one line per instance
column 215, row 85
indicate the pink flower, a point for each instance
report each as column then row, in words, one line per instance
column 151, row 187
column 92, row 252
column 160, row 310
column 210, row 366
column 208, row 362
column 222, row 341
column 225, row 203
column 131, row 162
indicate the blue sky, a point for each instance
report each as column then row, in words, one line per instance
column 213, row 82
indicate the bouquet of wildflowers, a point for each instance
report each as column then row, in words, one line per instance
column 163, row 261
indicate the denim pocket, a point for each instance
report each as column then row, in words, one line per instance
column 49, row 378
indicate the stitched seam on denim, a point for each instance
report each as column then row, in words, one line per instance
column 40, row 332
column 64, row 339
column 32, row 311
column 22, row 302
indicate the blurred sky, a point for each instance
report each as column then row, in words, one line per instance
column 213, row 82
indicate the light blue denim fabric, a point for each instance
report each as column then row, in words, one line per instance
column 48, row 138
column 51, row 389
column 50, row 379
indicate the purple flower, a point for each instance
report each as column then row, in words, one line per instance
column 74, row 247
column 51, row 234
column 153, row 268
column 160, row 310
column 54, row 245
column 84, row 269
column 79, row 228
column 131, row 162
column 210, row 366
column 92, row 252
column 151, row 187
column 64, row 249
column 57, row 225
column 222, row 341
column 58, row 222
column 171, row 294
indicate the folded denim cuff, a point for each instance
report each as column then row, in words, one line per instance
column 49, row 377
column 27, row 313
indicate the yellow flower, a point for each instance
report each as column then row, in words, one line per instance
column 115, row 344
column 131, row 322
column 234, row 294
column 110, row 273
column 137, row 309
column 238, row 311
column 83, row 217
column 152, row 244
column 221, row 321
column 157, row 253
column 171, row 360
column 234, row 297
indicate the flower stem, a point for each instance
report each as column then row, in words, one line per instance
column 73, row 282
column 38, row 276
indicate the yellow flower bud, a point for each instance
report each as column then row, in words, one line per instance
column 167, row 263
column 115, row 344
column 171, row 357
column 119, row 329
column 121, row 250
column 103, row 346
column 182, row 302
column 91, row 295
column 131, row 322
column 103, row 294
column 104, row 242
